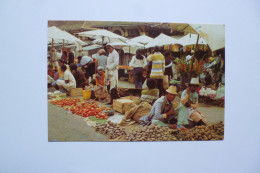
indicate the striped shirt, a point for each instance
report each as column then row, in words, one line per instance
column 158, row 65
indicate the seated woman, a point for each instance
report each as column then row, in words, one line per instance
column 188, row 115
column 148, row 97
column 100, row 88
column 78, row 75
column 152, row 94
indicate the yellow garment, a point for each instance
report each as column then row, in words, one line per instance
column 61, row 73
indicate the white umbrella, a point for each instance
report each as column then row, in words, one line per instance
column 102, row 34
column 142, row 39
column 191, row 39
column 162, row 40
column 59, row 36
column 118, row 44
column 133, row 43
column 214, row 35
column 91, row 47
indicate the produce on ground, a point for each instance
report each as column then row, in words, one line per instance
column 86, row 109
column 110, row 129
column 66, row 102
column 152, row 133
column 97, row 120
column 212, row 132
column 157, row 133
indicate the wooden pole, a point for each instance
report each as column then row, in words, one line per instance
column 193, row 57
column 52, row 52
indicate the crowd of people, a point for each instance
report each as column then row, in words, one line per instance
column 66, row 72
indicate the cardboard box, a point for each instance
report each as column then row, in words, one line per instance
column 122, row 105
column 76, row 92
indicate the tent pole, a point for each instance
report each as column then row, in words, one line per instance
column 193, row 57
column 52, row 52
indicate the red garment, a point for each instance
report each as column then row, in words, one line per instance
column 51, row 73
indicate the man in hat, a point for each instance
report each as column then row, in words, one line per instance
column 112, row 71
column 162, row 112
column 187, row 113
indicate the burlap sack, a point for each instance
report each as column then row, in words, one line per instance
column 138, row 111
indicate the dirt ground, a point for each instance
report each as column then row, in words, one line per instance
column 63, row 126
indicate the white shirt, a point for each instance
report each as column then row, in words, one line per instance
column 58, row 55
column 113, row 60
column 69, row 76
column 137, row 62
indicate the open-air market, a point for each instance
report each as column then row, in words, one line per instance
column 133, row 81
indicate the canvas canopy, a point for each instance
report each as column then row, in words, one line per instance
column 191, row 39
column 59, row 36
column 214, row 35
column 91, row 47
column 162, row 40
column 144, row 39
column 103, row 34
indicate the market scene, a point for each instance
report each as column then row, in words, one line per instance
column 135, row 81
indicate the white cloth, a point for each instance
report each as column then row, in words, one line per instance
column 67, row 76
column 85, row 60
column 112, row 71
column 113, row 60
column 137, row 62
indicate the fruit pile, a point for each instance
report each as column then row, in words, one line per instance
column 89, row 109
column 86, row 109
column 66, row 102
column 110, row 129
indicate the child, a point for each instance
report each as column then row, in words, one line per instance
column 100, row 89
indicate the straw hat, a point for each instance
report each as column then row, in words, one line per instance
column 211, row 59
column 194, row 81
column 172, row 90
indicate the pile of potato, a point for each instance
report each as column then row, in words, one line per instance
column 212, row 132
column 111, row 130
column 157, row 133
column 152, row 133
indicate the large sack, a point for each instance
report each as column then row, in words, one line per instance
column 138, row 111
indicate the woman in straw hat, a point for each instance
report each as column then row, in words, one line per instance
column 188, row 114
column 162, row 112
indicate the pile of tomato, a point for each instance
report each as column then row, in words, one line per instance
column 89, row 109
column 66, row 102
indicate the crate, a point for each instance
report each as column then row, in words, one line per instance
column 76, row 92
column 122, row 105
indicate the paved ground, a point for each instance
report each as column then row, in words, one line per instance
column 67, row 127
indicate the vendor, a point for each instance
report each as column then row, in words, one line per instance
column 69, row 81
column 152, row 94
column 87, row 64
column 112, row 71
column 188, row 115
column 79, row 76
column 100, row 89
column 162, row 112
